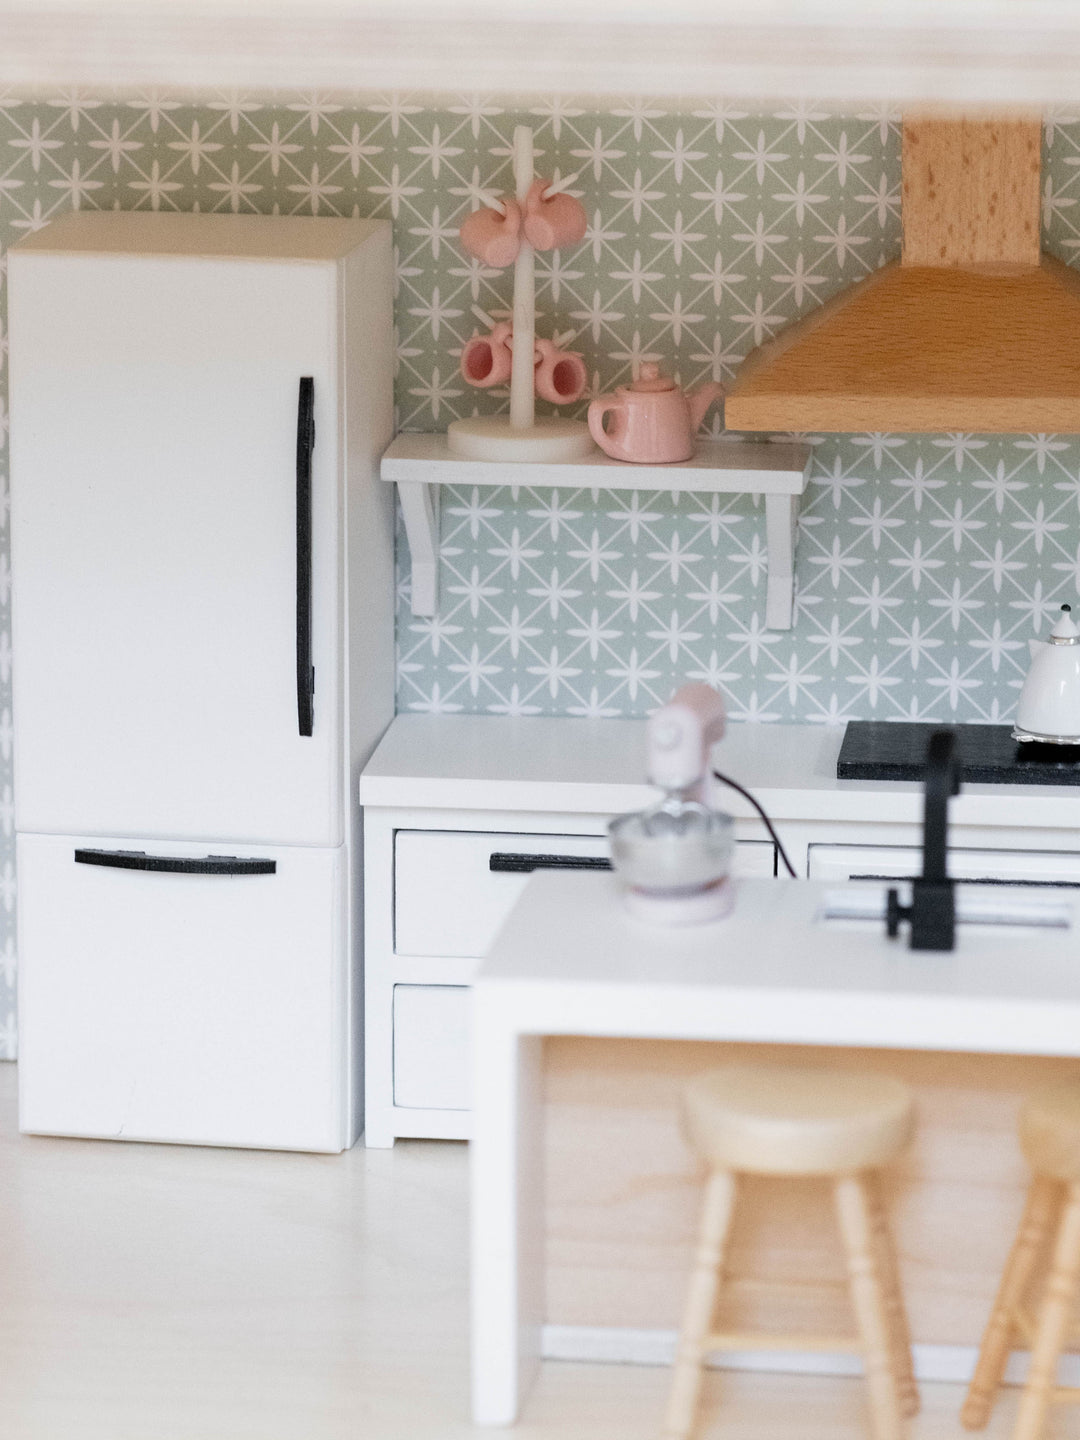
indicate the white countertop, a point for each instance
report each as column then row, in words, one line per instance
column 553, row 765
column 571, row 960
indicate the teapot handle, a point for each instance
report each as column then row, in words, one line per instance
column 608, row 440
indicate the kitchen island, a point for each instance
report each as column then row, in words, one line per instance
column 571, row 962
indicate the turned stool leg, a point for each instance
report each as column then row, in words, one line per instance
column 1040, row 1212
column 1054, row 1321
column 856, row 1226
column 700, row 1305
column 900, row 1334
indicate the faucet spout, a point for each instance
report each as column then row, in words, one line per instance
column 941, row 783
column 932, row 911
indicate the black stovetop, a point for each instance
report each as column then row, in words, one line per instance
column 888, row 750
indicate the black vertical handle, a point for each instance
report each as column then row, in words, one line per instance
column 305, row 444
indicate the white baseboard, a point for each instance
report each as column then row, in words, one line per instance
column 615, row 1345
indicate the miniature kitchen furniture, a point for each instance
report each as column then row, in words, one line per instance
column 1050, row 1137
column 456, row 817
column 779, row 471
column 785, row 1123
column 570, row 961
column 455, row 804
column 203, row 629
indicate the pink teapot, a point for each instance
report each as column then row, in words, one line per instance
column 652, row 421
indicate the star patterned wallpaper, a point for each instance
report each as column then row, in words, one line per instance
column 924, row 563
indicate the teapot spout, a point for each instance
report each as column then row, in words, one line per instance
column 701, row 398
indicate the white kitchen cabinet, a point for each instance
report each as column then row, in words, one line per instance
column 444, row 795
column 438, row 885
column 203, row 630
column 450, row 890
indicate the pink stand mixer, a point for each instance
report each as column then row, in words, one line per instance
column 674, row 859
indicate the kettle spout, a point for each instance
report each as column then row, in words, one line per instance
column 700, row 400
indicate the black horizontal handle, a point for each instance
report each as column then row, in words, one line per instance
column 525, row 864
column 983, row 880
column 176, row 864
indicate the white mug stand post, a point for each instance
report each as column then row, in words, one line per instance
column 522, row 394
column 519, row 435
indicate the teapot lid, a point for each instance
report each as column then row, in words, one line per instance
column 650, row 381
column 1065, row 631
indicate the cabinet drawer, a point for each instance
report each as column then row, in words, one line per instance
column 431, row 1047
column 897, row 862
column 450, row 901
column 166, row 1004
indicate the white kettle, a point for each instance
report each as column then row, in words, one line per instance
column 1049, row 708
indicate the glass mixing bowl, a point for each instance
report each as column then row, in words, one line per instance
column 672, row 850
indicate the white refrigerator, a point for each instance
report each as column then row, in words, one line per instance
column 203, row 589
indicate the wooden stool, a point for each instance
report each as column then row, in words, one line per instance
column 1050, row 1138
column 788, row 1122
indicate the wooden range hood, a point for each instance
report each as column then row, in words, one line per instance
column 973, row 329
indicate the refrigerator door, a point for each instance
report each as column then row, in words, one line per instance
column 160, row 546
column 200, row 1002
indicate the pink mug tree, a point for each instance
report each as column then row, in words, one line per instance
column 539, row 216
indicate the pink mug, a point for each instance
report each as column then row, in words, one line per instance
column 487, row 359
column 560, row 375
column 553, row 221
column 492, row 237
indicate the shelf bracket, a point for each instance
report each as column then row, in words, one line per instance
column 420, row 511
column 781, row 524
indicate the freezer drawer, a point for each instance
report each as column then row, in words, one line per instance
column 453, row 889
column 200, row 1002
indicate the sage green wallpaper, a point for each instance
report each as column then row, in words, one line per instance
column 924, row 563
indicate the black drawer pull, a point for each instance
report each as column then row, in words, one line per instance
column 984, row 880
column 175, row 864
column 525, row 864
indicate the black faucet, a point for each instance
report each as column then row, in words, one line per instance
column 932, row 912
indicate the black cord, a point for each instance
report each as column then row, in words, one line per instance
column 727, row 780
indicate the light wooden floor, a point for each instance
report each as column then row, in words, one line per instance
column 152, row 1292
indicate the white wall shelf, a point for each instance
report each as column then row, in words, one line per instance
column 419, row 464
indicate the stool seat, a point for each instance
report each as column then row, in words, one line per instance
column 1050, row 1130
column 768, row 1120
